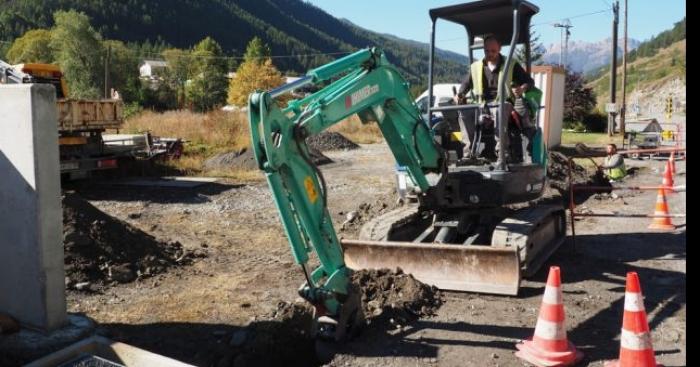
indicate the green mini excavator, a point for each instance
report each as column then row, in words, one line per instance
column 462, row 232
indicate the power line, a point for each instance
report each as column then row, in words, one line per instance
column 186, row 54
column 571, row 17
column 541, row 23
column 189, row 55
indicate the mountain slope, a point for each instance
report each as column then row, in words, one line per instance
column 290, row 27
column 650, row 80
column 587, row 56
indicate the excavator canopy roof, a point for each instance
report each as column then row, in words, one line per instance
column 489, row 17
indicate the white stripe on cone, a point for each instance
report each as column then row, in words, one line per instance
column 550, row 330
column 634, row 302
column 552, row 295
column 633, row 341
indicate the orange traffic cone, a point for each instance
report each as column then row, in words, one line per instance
column 635, row 340
column 668, row 178
column 663, row 224
column 549, row 345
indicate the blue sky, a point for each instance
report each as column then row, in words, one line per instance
column 409, row 18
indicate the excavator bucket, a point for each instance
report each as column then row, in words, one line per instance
column 482, row 269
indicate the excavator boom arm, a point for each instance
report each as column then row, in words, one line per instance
column 368, row 86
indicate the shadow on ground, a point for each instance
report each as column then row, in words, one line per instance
column 607, row 258
column 107, row 190
column 262, row 343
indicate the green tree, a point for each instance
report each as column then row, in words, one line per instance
column 256, row 72
column 257, row 51
column 208, row 86
column 78, row 50
column 537, row 51
column 178, row 71
column 578, row 99
column 123, row 70
column 32, row 47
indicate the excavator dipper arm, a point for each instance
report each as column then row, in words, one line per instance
column 369, row 86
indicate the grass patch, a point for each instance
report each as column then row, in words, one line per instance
column 205, row 134
column 353, row 129
column 569, row 137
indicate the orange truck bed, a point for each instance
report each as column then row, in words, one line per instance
column 75, row 115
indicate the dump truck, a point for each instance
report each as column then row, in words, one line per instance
column 81, row 122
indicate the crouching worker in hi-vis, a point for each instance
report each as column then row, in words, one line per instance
column 614, row 165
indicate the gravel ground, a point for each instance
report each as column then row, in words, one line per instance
column 201, row 313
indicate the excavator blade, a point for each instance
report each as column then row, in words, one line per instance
column 482, row 269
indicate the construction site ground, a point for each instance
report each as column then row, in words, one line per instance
column 205, row 312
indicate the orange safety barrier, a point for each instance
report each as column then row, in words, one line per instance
column 659, row 212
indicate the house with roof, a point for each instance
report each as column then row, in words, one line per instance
column 152, row 69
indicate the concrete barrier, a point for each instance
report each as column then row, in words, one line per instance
column 32, row 288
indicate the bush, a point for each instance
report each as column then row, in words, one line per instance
column 162, row 98
column 131, row 109
column 596, row 122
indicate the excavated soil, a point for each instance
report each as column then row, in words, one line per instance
column 330, row 141
column 245, row 160
column 100, row 249
column 558, row 172
column 390, row 299
column 395, row 297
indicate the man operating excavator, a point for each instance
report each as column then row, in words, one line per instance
column 482, row 84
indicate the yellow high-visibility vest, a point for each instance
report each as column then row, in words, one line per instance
column 477, row 75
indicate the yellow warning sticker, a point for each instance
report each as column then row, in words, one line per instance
column 310, row 189
column 667, row 135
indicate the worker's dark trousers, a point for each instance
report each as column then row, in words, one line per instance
column 515, row 146
column 530, row 133
column 468, row 120
column 493, row 144
column 515, row 134
column 467, row 127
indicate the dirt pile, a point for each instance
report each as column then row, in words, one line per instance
column 395, row 297
column 245, row 160
column 100, row 249
column 390, row 299
column 237, row 159
column 558, row 173
column 330, row 141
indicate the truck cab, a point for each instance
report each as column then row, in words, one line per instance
column 46, row 74
column 81, row 122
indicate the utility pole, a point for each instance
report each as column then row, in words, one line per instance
column 109, row 54
column 564, row 45
column 613, row 70
column 623, row 109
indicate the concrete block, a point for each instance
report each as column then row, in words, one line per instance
column 32, row 288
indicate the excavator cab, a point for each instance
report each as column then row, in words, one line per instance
column 465, row 233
